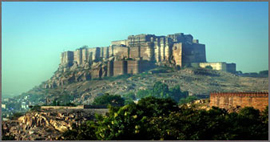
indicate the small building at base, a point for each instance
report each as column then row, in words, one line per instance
column 221, row 66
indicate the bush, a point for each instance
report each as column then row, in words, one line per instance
column 143, row 93
column 209, row 67
column 35, row 108
column 107, row 99
column 161, row 119
column 189, row 99
column 129, row 98
column 16, row 115
column 161, row 90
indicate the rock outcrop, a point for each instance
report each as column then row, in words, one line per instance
column 46, row 125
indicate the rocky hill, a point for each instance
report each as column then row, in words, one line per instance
column 196, row 81
column 47, row 124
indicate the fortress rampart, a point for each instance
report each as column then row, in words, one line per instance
column 145, row 46
column 258, row 100
column 138, row 53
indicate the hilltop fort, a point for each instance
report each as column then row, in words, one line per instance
column 141, row 52
column 136, row 54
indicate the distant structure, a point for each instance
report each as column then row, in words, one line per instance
column 73, row 107
column 258, row 100
column 222, row 66
column 141, row 52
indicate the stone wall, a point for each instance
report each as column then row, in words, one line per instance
column 134, row 52
column 257, row 100
column 193, row 53
column 231, row 67
column 119, row 68
column 199, row 52
column 180, row 47
column 146, row 51
column 110, row 68
column 120, row 52
column 120, row 42
column 67, row 58
column 74, row 107
column 78, row 56
column 104, row 52
column 63, row 107
column 222, row 66
column 133, row 67
column 215, row 66
column 177, row 53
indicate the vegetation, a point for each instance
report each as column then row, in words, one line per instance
column 4, row 137
column 162, row 119
column 106, row 99
column 113, row 78
column 161, row 70
column 209, row 67
column 188, row 99
column 63, row 100
column 16, row 115
column 35, row 108
column 161, row 90
column 129, row 98
column 263, row 73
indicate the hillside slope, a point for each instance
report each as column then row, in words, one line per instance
column 195, row 81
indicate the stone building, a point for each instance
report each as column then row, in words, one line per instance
column 222, row 66
column 258, row 100
column 119, row 68
column 140, row 52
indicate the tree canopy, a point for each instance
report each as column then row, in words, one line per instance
column 161, row 90
column 161, row 119
column 107, row 99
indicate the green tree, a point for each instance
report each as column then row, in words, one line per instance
column 35, row 108
column 177, row 94
column 131, row 122
column 85, row 131
column 187, row 100
column 107, row 99
column 209, row 67
column 143, row 93
column 161, row 119
column 16, row 115
column 264, row 115
column 129, row 98
column 160, row 90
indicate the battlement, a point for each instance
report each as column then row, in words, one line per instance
column 177, row 49
column 241, row 94
column 146, row 46
column 258, row 100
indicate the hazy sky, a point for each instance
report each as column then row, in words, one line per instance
column 35, row 33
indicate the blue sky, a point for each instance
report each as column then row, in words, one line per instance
column 35, row 33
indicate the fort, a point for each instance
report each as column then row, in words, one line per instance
column 258, row 100
column 141, row 52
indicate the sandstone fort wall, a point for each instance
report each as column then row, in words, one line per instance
column 257, row 100
column 146, row 46
column 119, row 68
column 178, row 49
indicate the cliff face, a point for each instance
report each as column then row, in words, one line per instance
column 46, row 125
column 76, row 73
